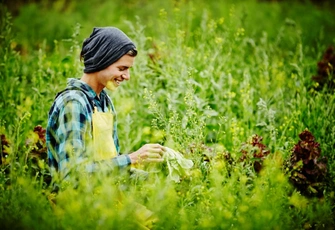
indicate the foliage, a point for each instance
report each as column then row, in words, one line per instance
column 209, row 76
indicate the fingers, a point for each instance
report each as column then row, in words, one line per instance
column 148, row 153
column 154, row 155
column 156, row 148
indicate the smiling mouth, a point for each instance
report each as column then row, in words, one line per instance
column 113, row 85
column 116, row 82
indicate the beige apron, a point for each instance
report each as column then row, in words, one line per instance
column 103, row 141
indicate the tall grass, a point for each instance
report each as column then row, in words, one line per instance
column 207, row 78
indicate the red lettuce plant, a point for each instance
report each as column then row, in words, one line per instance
column 325, row 73
column 255, row 151
column 38, row 144
column 4, row 151
column 38, row 156
column 306, row 166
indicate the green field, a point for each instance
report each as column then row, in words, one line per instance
column 245, row 89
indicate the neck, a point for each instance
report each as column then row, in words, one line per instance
column 91, row 80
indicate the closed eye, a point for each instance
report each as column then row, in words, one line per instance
column 123, row 68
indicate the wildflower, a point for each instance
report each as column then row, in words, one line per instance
column 218, row 40
column 221, row 21
column 298, row 201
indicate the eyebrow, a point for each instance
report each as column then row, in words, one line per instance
column 124, row 66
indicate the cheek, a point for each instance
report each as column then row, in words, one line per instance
column 113, row 73
column 107, row 76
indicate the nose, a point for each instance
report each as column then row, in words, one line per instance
column 126, row 75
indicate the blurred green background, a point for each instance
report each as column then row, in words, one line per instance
column 39, row 20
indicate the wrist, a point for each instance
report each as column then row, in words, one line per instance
column 132, row 158
column 129, row 160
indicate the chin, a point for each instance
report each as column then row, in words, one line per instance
column 111, row 86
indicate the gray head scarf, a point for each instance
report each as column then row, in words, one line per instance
column 105, row 46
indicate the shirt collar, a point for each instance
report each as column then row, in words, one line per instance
column 76, row 83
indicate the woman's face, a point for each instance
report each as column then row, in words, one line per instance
column 116, row 73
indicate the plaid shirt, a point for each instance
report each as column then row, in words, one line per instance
column 70, row 124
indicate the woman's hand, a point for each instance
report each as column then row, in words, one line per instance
column 148, row 153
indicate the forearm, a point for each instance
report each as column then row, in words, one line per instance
column 119, row 162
